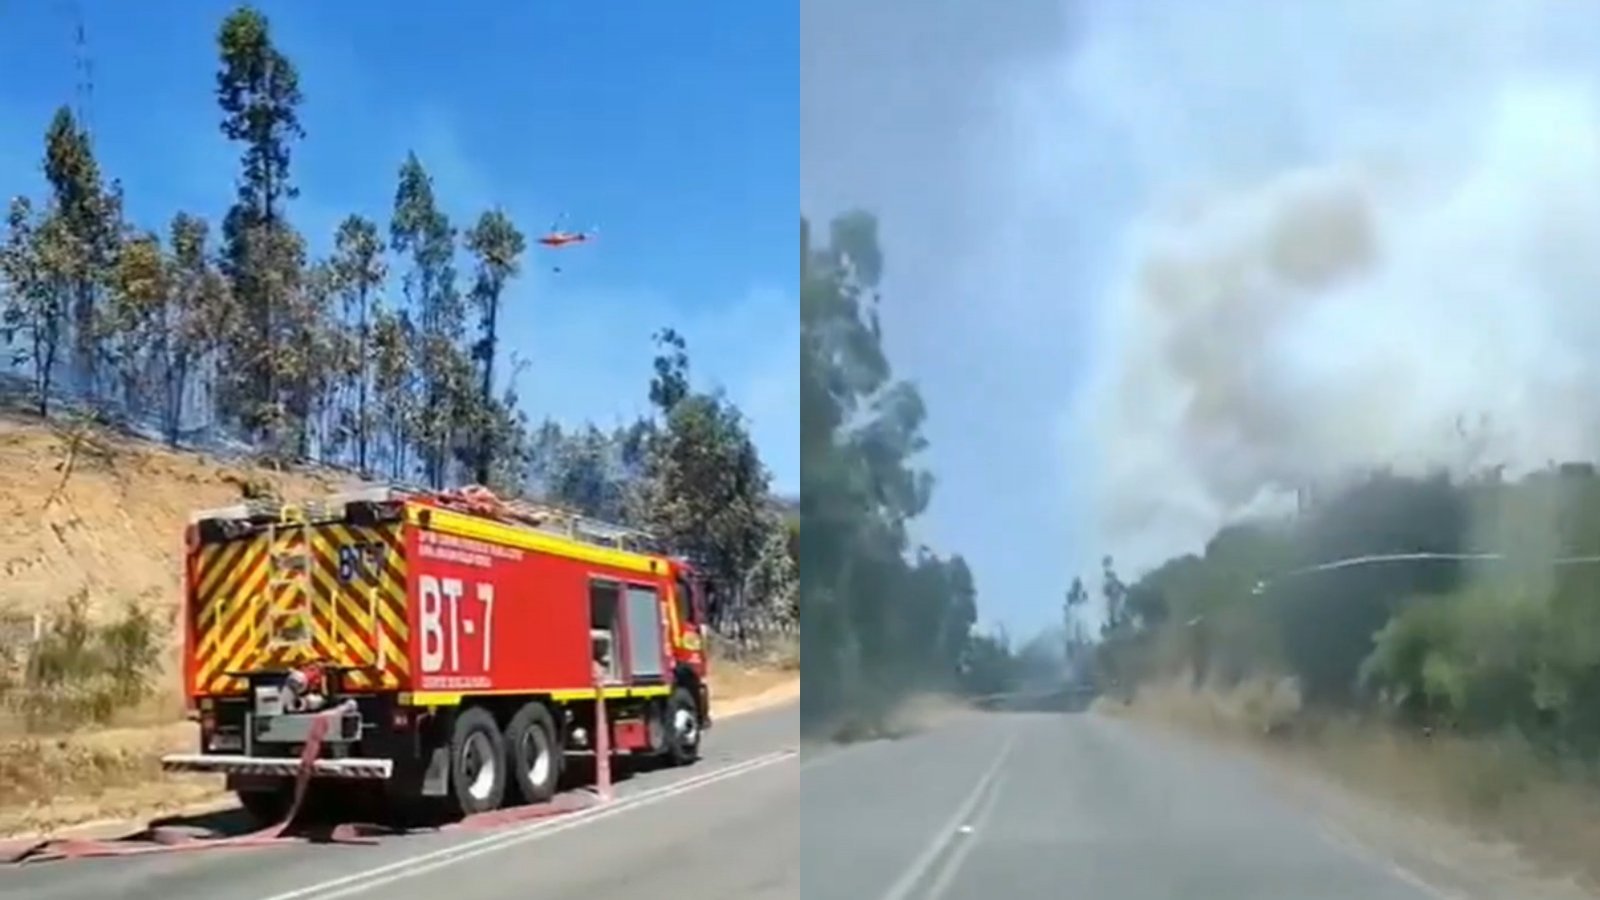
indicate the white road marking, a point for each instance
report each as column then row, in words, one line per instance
column 920, row 866
column 366, row 880
column 952, row 863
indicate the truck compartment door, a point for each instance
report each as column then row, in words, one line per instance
column 644, row 633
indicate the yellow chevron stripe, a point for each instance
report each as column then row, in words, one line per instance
column 392, row 587
column 235, row 608
column 216, row 561
column 240, row 599
column 329, row 588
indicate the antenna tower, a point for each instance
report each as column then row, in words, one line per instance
column 82, row 66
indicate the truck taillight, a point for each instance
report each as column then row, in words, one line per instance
column 208, row 722
column 401, row 719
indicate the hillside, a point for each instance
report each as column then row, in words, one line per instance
column 99, row 514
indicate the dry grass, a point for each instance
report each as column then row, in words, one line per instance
column 908, row 716
column 738, row 682
column 1497, row 790
column 48, row 783
column 777, row 653
column 752, row 690
column 752, row 680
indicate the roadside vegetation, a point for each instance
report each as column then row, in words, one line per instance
column 1462, row 687
column 232, row 356
column 886, row 620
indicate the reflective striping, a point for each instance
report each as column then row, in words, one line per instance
column 370, row 612
column 446, row 698
column 229, row 575
column 360, row 622
column 616, row 693
column 283, row 767
column 220, row 622
column 217, row 561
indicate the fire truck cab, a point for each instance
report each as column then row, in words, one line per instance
column 449, row 645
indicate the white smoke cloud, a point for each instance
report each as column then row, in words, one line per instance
column 1150, row 259
column 1366, row 234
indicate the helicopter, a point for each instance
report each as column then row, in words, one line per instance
column 558, row 238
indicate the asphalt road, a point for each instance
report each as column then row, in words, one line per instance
column 726, row 827
column 1051, row 805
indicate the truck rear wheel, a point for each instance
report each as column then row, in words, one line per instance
column 683, row 727
column 266, row 806
column 477, row 762
column 534, row 753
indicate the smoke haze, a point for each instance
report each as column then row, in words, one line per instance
column 1205, row 254
column 1369, row 238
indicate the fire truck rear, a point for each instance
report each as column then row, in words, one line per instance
column 450, row 646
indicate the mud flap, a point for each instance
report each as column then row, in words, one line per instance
column 436, row 781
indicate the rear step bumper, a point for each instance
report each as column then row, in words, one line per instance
column 277, row 766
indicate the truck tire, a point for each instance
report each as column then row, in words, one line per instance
column 533, row 753
column 266, row 806
column 477, row 762
column 683, row 727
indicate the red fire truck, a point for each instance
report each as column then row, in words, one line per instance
column 456, row 643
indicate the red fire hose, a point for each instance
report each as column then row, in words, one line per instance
column 167, row 840
column 172, row 840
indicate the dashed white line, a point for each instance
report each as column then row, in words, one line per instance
column 919, row 868
column 971, row 834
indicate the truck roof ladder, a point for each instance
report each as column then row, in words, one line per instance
column 289, row 581
column 544, row 517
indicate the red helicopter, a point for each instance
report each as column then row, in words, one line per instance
column 563, row 238
column 557, row 238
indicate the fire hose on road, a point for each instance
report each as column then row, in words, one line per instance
column 174, row 840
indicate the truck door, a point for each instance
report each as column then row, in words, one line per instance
column 644, row 634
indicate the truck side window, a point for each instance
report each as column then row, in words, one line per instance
column 685, row 603
column 603, row 639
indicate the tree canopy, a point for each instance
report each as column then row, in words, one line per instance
column 882, row 618
column 384, row 357
column 1507, row 640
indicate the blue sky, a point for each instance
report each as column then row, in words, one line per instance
column 671, row 128
column 984, row 285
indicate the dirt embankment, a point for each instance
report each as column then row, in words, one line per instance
column 105, row 514
column 100, row 517
column 1473, row 817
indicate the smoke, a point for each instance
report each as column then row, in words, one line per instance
column 1367, row 234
